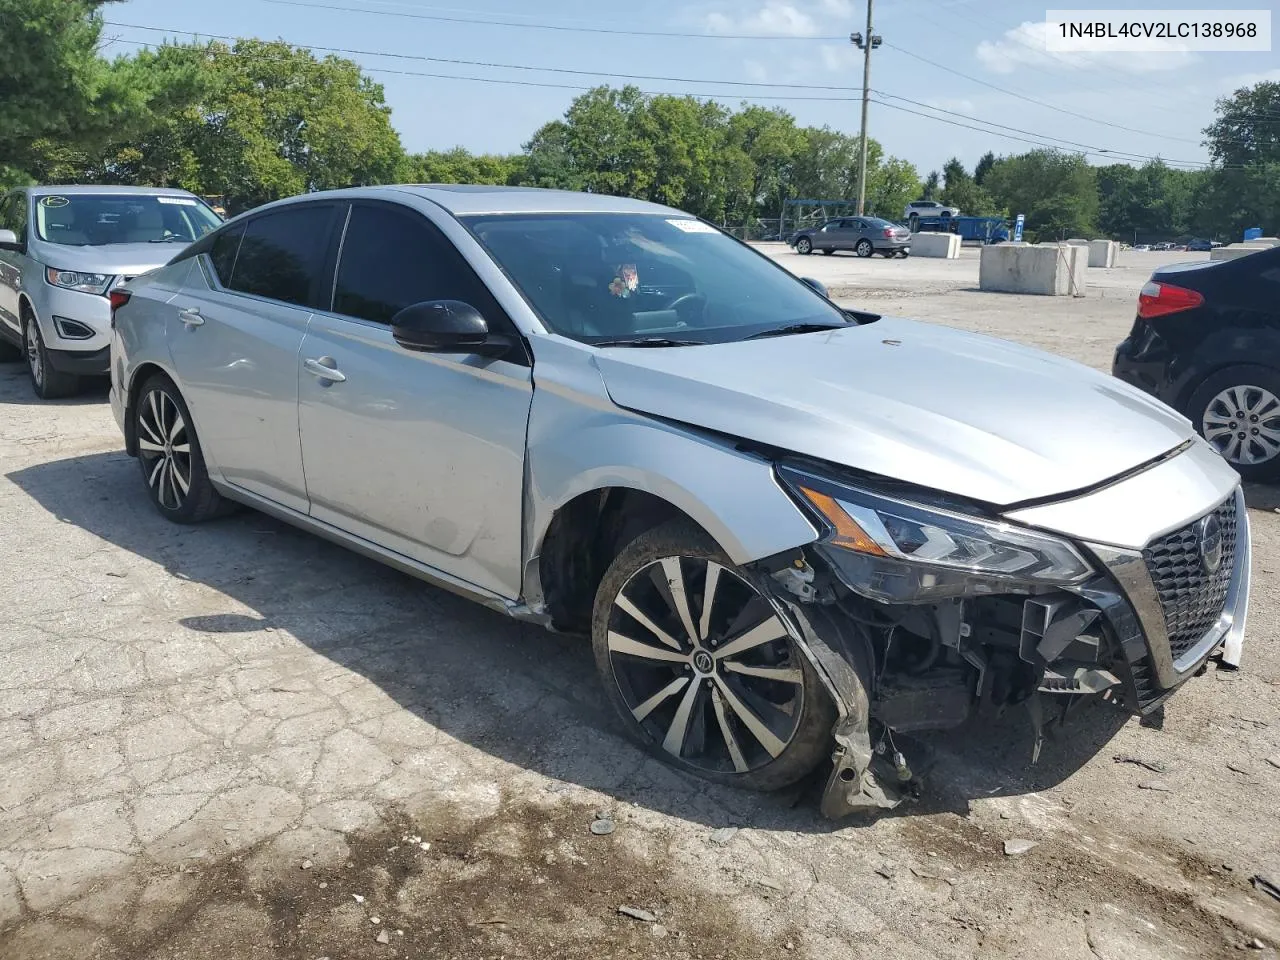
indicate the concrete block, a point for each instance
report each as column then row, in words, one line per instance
column 1234, row 251
column 1077, row 242
column 1102, row 253
column 943, row 245
column 1047, row 269
column 1262, row 243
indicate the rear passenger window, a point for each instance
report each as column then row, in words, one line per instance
column 223, row 253
column 394, row 258
column 282, row 254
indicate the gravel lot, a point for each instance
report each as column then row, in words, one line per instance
column 238, row 741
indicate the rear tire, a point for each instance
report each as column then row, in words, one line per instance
column 863, row 248
column 169, row 453
column 1237, row 410
column 46, row 382
column 755, row 717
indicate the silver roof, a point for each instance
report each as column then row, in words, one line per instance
column 71, row 190
column 473, row 198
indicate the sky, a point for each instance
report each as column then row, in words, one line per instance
column 962, row 63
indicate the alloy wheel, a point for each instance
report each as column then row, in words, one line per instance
column 803, row 245
column 165, row 448
column 35, row 359
column 863, row 248
column 1243, row 424
column 705, row 666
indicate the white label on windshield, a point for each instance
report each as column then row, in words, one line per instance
column 692, row 226
column 181, row 201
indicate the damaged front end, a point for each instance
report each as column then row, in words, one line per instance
column 918, row 611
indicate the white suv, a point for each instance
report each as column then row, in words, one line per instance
column 929, row 208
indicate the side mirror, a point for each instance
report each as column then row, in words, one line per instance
column 446, row 326
column 817, row 285
column 9, row 241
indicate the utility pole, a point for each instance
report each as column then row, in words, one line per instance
column 866, row 46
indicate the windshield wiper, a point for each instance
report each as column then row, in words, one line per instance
column 796, row 328
column 170, row 240
column 649, row 342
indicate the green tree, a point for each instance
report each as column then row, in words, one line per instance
column 890, row 187
column 961, row 191
column 931, row 185
column 459, row 166
column 1151, row 202
column 1246, row 130
column 1058, row 192
column 985, row 163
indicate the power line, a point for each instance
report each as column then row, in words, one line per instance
column 550, row 26
column 1020, row 96
column 517, row 66
column 1036, row 139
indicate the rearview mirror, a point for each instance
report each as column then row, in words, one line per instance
column 446, row 326
column 817, row 285
column 9, row 241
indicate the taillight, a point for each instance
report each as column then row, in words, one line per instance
column 118, row 299
column 1158, row 299
column 888, row 231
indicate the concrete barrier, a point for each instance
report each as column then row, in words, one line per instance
column 1048, row 269
column 1234, row 252
column 943, row 245
column 1264, row 243
column 1102, row 253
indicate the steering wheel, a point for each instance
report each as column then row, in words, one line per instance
column 682, row 304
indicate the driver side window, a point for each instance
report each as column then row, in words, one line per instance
column 393, row 258
column 13, row 214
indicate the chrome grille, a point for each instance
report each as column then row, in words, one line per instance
column 1191, row 598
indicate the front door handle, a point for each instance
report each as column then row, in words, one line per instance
column 190, row 316
column 326, row 368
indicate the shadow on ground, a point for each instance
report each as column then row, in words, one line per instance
column 517, row 692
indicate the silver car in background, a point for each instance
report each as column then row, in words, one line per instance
column 793, row 532
column 62, row 249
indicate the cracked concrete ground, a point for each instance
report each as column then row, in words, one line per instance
column 191, row 716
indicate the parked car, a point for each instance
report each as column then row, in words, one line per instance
column 928, row 208
column 1206, row 341
column 61, row 250
column 793, row 532
column 1199, row 245
column 863, row 235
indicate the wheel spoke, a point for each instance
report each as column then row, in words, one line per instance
column 173, row 484
column 619, row 643
column 157, row 421
column 708, row 599
column 768, row 739
column 183, row 482
column 675, row 583
column 674, row 741
column 726, row 731
column 149, row 447
column 178, row 426
column 771, row 629
column 781, row 674
column 155, row 472
column 670, row 690
column 181, row 448
column 635, row 613
column 150, row 430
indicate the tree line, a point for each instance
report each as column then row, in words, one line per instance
column 254, row 121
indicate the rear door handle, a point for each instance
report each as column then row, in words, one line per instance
column 326, row 368
column 190, row 316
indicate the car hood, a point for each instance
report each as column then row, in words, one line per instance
column 958, row 412
column 118, row 259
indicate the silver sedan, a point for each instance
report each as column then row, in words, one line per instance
column 794, row 533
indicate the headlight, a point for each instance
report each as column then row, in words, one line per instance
column 74, row 280
column 899, row 551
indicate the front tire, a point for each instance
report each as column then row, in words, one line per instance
column 169, row 453
column 804, row 246
column 46, row 382
column 1237, row 410
column 863, row 248
column 700, row 668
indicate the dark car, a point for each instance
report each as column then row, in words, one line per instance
column 1199, row 245
column 863, row 235
column 1206, row 341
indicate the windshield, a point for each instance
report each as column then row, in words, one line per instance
column 95, row 220
column 602, row 277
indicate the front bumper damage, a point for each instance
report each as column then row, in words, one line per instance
column 1130, row 635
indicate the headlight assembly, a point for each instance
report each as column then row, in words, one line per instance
column 74, row 280
column 899, row 551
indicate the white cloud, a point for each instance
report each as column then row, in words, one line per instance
column 955, row 106
column 775, row 17
column 840, row 58
column 838, row 8
column 1024, row 46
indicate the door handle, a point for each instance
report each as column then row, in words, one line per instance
column 325, row 368
column 190, row 316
